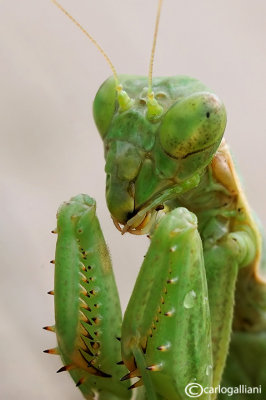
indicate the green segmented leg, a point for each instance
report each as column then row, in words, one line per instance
column 166, row 337
column 245, row 364
column 222, row 261
column 87, row 309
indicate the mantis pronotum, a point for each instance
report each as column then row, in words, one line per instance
column 169, row 175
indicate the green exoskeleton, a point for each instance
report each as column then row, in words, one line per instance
column 197, row 315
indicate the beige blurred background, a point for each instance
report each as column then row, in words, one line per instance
column 50, row 149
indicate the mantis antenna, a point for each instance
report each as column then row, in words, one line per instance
column 154, row 110
column 91, row 39
column 154, row 45
column 125, row 102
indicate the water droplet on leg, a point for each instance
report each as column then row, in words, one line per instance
column 190, row 299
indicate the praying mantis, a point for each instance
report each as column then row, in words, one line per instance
column 197, row 312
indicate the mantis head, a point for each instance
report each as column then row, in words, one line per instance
column 153, row 145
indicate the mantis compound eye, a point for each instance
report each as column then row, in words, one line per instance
column 104, row 106
column 193, row 125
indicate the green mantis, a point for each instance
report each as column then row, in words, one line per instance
column 169, row 175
